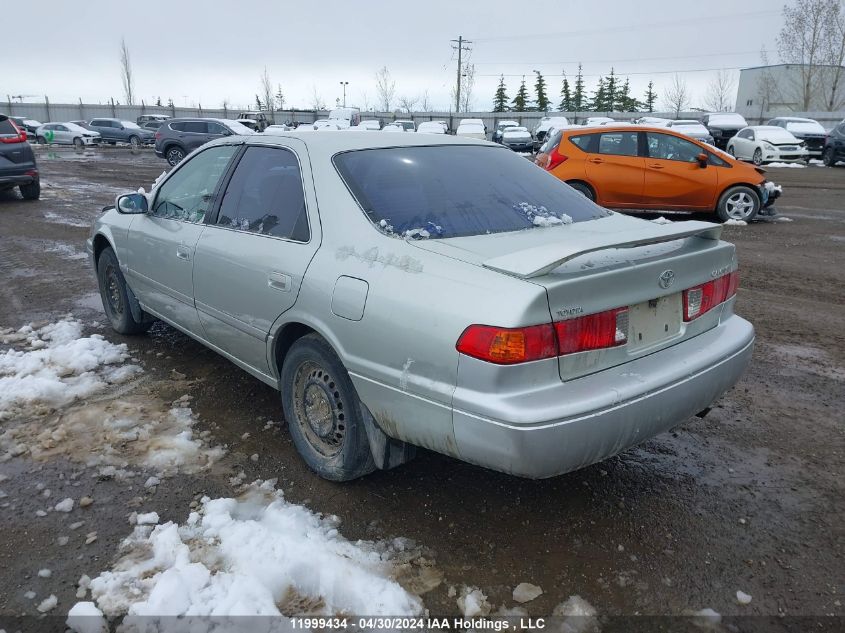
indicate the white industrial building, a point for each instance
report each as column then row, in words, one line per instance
column 779, row 89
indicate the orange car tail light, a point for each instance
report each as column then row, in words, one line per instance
column 555, row 158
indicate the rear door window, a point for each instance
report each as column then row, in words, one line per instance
column 586, row 142
column 454, row 191
column 197, row 127
column 265, row 195
column 619, row 143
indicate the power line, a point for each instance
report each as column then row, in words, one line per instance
column 629, row 27
column 621, row 73
column 616, row 60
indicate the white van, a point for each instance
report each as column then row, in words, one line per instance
column 345, row 117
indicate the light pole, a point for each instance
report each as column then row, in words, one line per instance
column 344, row 84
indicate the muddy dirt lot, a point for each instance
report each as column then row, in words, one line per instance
column 751, row 498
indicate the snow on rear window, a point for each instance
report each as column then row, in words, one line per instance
column 130, row 124
column 454, row 191
column 727, row 119
column 805, row 127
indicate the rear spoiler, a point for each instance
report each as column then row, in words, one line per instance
column 540, row 260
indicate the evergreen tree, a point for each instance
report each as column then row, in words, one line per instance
column 625, row 102
column 500, row 99
column 578, row 99
column 540, row 88
column 158, row 102
column 650, row 97
column 599, row 102
column 611, row 91
column 565, row 96
column 521, row 99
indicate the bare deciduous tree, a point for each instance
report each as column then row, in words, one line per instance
column 767, row 88
column 467, row 85
column 676, row 96
column 365, row 101
column 834, row 56
column 408, row 103
column 317, row 102
column 802, row 42
column 425, row 102
column 385, row 89
column 721, row 92
column 267, row 96
column 126, row 75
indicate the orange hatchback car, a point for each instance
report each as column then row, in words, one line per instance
column 640, row 167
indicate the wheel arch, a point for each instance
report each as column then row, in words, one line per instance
column 581, row 181
column 100, row 243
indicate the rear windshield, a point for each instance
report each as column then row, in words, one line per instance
column 6, row 127
column 726, row 119
column 455, row 191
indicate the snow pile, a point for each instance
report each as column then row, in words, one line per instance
column 733, row 222
column 782, row 165
column 579, row 616
column 473, row 603
column 661, row 220
column 254, row 555
column 56, row 366
column 526, row 592
column 541, row 216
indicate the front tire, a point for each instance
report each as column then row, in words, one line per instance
column 738, row 203
column 757, row 159
column 174, row 155
column 828, row 157
column 115, row 296
column 732, row 150
column 135, row 142
column 40, row 140
column 323, row 411
column 77, row 143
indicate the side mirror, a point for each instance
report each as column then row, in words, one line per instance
column 132, row 203
column 702, row 159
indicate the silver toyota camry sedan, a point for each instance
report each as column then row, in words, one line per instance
column 405, row 290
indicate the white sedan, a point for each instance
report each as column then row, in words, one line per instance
column 66, row 134
column 767, row 144
column 431, row 127
column 472, row 130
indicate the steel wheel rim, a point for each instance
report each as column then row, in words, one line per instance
column 114, row 297
column 319, row 408
column 739, row 205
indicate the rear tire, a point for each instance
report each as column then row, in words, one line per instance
column 174, row 155
column 738, row 203
column 323, row 411
column 583, row 189
column 32, row 191
column 114, row 293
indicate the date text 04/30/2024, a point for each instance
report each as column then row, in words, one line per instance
column 412, row 623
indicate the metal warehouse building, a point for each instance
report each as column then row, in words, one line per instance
column 780, row 89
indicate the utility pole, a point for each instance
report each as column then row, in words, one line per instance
column 344, row 84
column 462, row 45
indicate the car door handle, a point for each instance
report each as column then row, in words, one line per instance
column 279, row 281
column 597, row 161
column 656, row 166
column 183, row 252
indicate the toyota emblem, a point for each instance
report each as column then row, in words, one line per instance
column 666, row 279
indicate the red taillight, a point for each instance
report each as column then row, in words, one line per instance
column 701, row 299
column 20, row 137
column 594, row 331
column 555, row 158
column 158, row 135
column 506, row 346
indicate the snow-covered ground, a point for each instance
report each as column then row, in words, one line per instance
column 786, row 165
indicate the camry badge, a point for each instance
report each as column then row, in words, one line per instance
column 666, row 279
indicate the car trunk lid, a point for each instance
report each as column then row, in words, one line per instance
column 616, row 262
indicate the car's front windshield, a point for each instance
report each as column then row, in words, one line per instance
column 454, row 191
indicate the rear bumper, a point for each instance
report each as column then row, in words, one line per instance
column 16, row 179
column 586, row 420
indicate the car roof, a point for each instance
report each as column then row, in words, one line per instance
column 328, row 144
column 619, row 127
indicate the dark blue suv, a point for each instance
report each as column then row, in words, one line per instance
column 834, row 146
column 17, row 161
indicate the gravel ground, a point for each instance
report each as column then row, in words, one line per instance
column 750, row 498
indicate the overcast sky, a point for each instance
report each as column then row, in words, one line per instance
column 210, row 51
